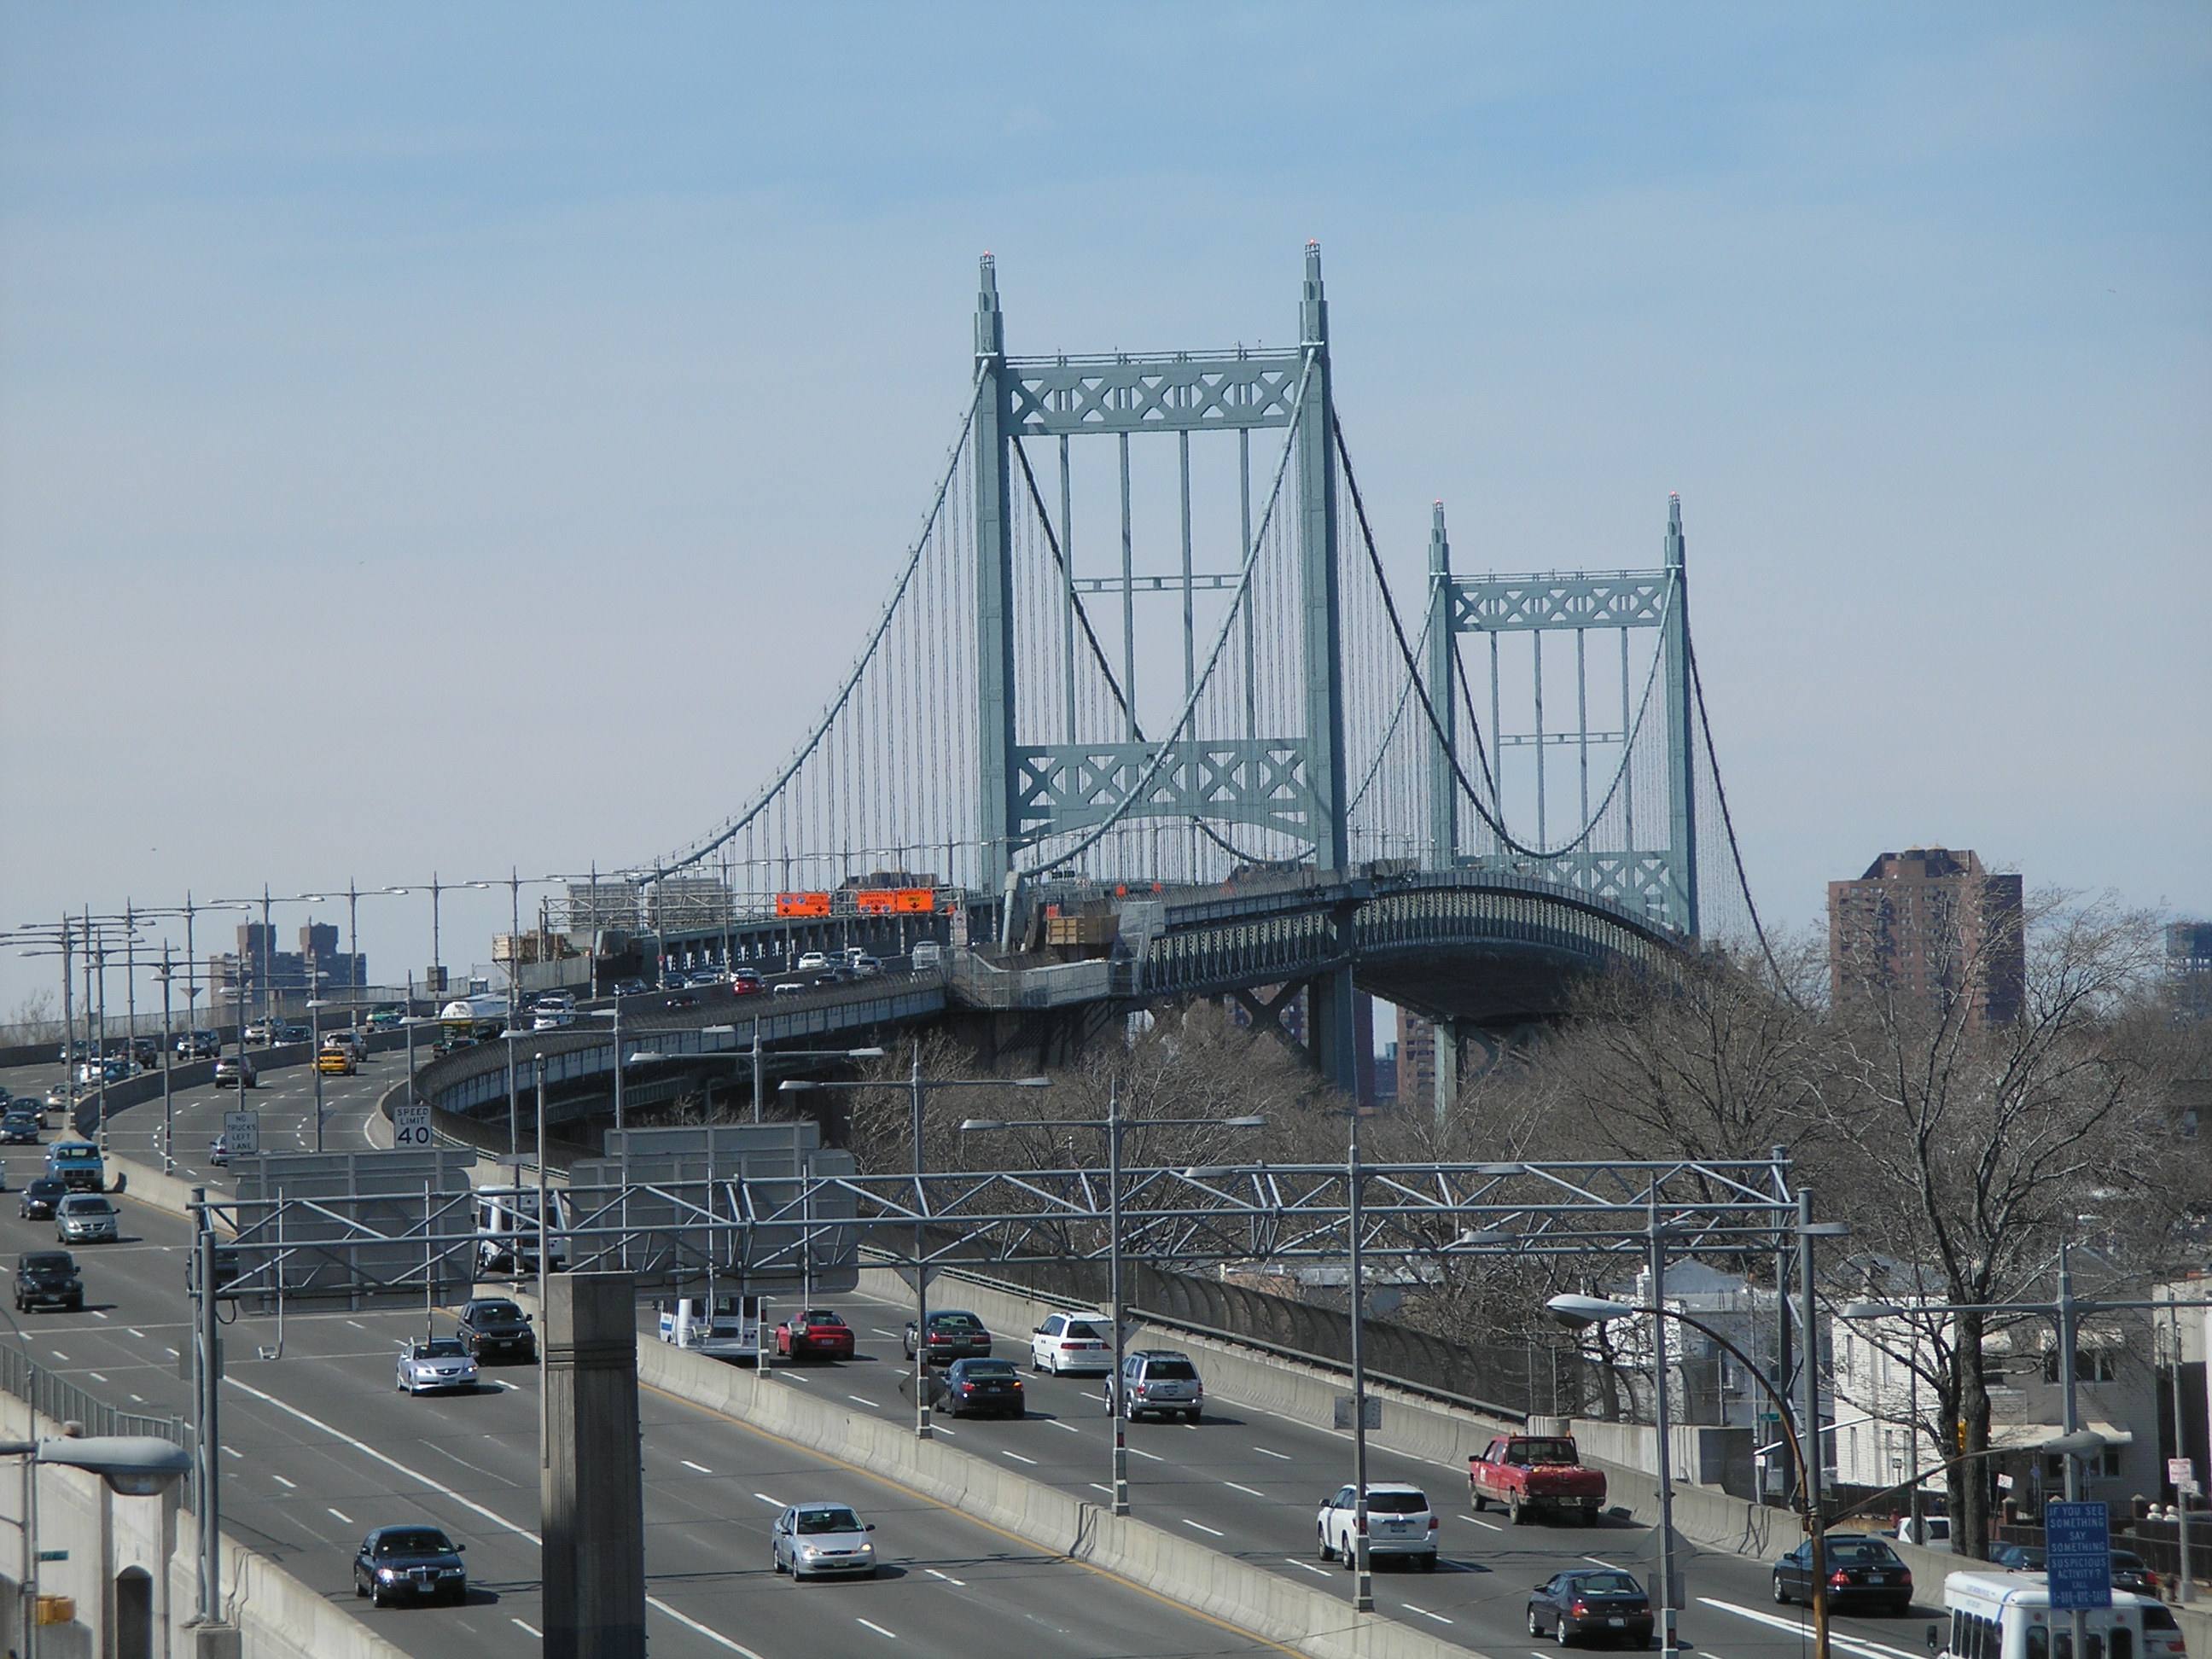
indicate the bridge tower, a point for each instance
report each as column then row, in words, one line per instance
column 1283, row 780
column 1659, row 880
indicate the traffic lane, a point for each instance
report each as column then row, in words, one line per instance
column 285, row 1102
column 305, row 1435
column 1249, row 1482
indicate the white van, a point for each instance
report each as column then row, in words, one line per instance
column 2007, row 1616
column 730, row 1330
column 928, row 954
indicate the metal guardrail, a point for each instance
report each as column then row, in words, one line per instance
column 63, row 1402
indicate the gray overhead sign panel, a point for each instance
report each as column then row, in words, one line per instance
column 732, row 1204
column 353, row 1229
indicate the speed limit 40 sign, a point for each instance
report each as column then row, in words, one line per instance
column 411, row 1127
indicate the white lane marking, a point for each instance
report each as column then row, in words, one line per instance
column 175, row 1353
column 535, row 1635
column 947, row 1577
column 492, row 1516
column 341, row 1513
column 96, row 1314
column 878, row 1629
column 1266, row 1451
column 1018, row 1457
column 1070, row 1427
column 1865, row 1649
column 1155, row 1456
column 1210, row 1532
column 59, row 1355
column 233, row 1451
column 869, row 1404
column 880, row 1331
column 939, row 1428
column 1425, row 1614
column 1233, row 1487
column 96, row 1376
column 289, row 1486
column 141, row 1335
column 138, row 1399
column 688, row 1464
column 1494, row 1527
column 776, row 1501
column 1307, row 1566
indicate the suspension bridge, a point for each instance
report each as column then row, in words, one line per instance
column 1141, row 719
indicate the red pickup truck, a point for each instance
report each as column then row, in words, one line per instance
column 1526, row 1472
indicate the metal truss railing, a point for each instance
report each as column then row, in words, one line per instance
column 784, row 1226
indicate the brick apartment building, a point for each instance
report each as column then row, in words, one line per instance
column 1931, row 926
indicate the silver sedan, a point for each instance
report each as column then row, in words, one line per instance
column 439, row 1362
column 812, row 1540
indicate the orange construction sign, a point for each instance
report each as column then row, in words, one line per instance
column 802, row 904
column 894, row 901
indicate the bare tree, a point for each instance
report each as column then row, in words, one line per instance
column 1970, row 1148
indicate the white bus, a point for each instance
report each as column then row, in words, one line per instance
column 2007, row 1616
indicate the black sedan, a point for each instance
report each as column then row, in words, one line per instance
column 1591, row 1602
column 1860, row 1569
column 40, row 1196
column 410, row 1563
column 493, row 1327
column 983, row 1388
column 952, row 1336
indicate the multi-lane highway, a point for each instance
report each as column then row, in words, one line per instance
column 320, row 1447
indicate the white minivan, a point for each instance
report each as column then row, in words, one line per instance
column 2007, row 1616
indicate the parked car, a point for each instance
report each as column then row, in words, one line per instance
column 983, row 1388
column 48, row 1278
column 41, row 1197
column 1591, row 1602
column 814, row 1333
column 86, row 1219
column 953, row 1335
column 1072, row 1342
column 2130, row 1572
column 1860, row 1569
column 1399, row 1524
column 337, row 1062
column 812, row 1540
column 1160, row 1382
column 438, row 1362
column 20, row 1128
column 493, row 1327
column 410, row 1563
column 235, row 1069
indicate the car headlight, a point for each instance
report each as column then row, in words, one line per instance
column 387, row 1574
column 806, row 1549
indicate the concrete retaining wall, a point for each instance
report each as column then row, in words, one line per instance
column 1309, row 1620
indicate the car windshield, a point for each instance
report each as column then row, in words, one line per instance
column 1085, row 1332
column 413, row 1541
column 1545, row 1451
column 49, row 1261
column 87, row 1204
column 443, row 1347
column 1171, row 1371
column 1604, row 1583
column 958, row 1322
column 836, row 1520
column 1860, row 1553
column 1397, row 1503
column 986, row 1367
column 498, row 1311
column 819, row 1317
column 2127, row 1560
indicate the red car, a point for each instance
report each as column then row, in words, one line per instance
column 815, row 1333
column 745, row 983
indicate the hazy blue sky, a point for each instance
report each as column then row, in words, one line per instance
column 410, row 413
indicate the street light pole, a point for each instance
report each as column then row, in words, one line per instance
column 2186, row 1591
column 1660, row 1417
column 168, row 1057
column 1809, row 1463
column 1363, row 1597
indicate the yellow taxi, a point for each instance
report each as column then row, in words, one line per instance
column 337, row 1062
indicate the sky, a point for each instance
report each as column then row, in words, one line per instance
column 466, row 440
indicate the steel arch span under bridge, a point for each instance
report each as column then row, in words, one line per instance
column 1142, row 717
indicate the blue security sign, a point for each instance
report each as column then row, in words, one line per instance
column 2077, row 1539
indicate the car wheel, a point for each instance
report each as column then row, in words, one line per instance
column 1191, row 1417
column 1515, row 1511
column 1781, row 1595
column 376, row 1595
column 774, row 1560
column 1559, row 1632
column 1323, row 1549
column 1535, row 1624
column 359, row 1588
column 1479, row 1501
column 1589, row 1517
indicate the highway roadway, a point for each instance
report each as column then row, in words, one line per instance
column 319, row 1448
column 324, row 1419
column 1248, row 1482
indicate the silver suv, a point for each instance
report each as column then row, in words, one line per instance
column 86, row 1218
column 1159, row 1381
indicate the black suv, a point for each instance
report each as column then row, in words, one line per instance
column 41, row 1197
column 47, row 1278
column 495, row 1328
